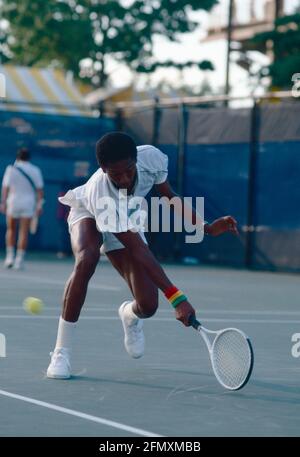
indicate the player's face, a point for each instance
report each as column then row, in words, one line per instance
column 122, row 173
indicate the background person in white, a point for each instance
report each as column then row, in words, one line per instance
column 21, row 201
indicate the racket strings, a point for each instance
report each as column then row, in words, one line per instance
column 231, row 358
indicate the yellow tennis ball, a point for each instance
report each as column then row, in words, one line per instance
column 33, row 305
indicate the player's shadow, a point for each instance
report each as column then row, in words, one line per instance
column 184, row 385
column 277, row 387
column 274, row 387
column 181, row 385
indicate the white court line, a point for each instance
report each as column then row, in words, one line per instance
column 71, row 412
column 54, row 281
column 158, row 319
column 199, row 311
column 245, row 312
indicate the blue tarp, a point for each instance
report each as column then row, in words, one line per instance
column 216, row 167
column 63, row 147
column 219, row 142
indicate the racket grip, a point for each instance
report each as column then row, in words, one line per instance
column 193, row 322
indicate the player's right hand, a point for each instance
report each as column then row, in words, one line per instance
column 183, row 312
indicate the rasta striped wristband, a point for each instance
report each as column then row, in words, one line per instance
column 175, row 296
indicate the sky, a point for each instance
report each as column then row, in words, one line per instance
column 192, row 48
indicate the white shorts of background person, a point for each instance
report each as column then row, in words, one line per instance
column 21, row 208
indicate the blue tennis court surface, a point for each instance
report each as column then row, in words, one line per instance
column 171, row 391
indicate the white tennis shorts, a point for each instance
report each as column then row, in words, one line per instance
column 110, row 242
column 18, row 210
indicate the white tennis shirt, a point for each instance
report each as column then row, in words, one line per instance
column 152, row 168
column 20, row 190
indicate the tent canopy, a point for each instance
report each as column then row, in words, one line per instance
column 43, row 90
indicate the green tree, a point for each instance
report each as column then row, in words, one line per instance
column 285, row 40
column 68, row 31
column 41, row 32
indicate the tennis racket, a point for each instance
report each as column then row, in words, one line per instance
column 230, row 352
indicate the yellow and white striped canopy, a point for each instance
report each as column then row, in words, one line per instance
column 42, row 90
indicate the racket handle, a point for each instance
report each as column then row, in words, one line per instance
column 194, row 323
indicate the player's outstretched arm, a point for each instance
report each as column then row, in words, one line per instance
column 142, row 254
column 218, row 227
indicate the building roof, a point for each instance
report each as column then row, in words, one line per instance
column 110, row 97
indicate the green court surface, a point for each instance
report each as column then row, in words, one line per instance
column 172, row 390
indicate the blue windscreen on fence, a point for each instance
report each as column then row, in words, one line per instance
column 221, row 146
column 277, row 206
column 219, row 173
column 63, row 147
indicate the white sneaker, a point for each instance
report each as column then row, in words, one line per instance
column 19, row 264
column 9, row 261
column 60, row 367
column 134, row 336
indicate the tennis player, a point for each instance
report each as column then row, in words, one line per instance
column 134, row 170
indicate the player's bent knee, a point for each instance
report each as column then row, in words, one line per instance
column 86, row 261
column 147, row 309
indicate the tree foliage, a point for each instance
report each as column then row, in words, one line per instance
column 285, row 39
column 43, row 32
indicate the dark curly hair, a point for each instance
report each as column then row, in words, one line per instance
column 115, row 146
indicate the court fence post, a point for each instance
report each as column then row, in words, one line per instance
column 157, row 112
column 182, row 135
column 101, row 107
column 119, row 119
column 252, row 177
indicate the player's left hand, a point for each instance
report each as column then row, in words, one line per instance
column 223, row 225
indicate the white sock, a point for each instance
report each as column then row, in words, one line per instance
column 20, row 254
column 129, row 313
column 65, row 334
column 10, row 251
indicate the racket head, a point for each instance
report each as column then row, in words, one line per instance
column 232, row 358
